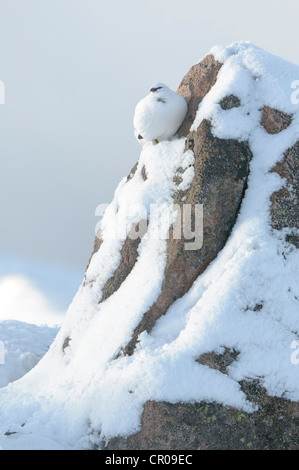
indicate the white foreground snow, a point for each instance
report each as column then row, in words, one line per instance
column 74, row 398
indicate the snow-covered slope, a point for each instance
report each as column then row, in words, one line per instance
column 33, row 301
column 80, row 394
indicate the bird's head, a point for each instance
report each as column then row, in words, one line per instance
column 158, row 87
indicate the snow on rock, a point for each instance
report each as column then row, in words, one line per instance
column 84, row 390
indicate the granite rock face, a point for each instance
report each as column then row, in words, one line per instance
column 274, row 121
column 221, row 170
column 285, row 202
column 194, row 87
column 210, row 426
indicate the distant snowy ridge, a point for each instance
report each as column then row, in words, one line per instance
column 21, row 300
column 84, row 391
column 24, row 345
column 56, row 283
column 29, row 318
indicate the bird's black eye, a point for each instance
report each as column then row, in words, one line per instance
column 156, row 89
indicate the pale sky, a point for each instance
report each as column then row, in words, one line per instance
column 74, row 71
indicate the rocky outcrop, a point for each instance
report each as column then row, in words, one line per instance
column 220, row 176
column 194, row 87
column 210, row 426
column 285, row 202
column 221, row 169
column 274, row 121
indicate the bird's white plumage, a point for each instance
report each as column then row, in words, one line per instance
column 159, row 115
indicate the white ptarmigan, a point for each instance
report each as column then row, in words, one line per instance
column 159, row 115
